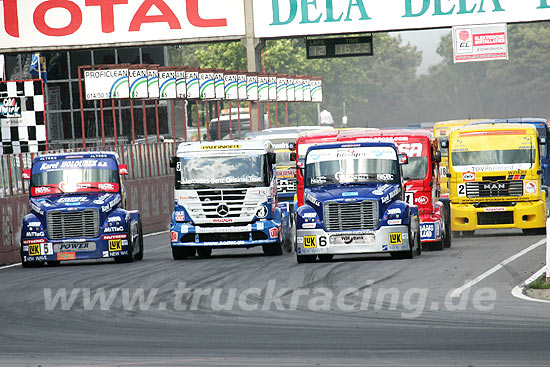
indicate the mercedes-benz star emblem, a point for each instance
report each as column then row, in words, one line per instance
column 222, row 210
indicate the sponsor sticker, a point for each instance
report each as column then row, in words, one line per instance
column 309, row 225
column 531, row 187
column 115, row 245
column 494, row 209
column 113, row 236
column 34, row 249
column 66, row 256
column 310, row 241
column 274, row 232
column 396, row 238
column 468, row 176
column 393, row 222
column 234, row 146
column 422, row 200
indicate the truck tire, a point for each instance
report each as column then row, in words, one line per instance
column 182, row 252
column 204, row 252
column 326, row 257
column 273, row 249
column 139, row 255
column 437, row 246
column 534, row 231
column 447, row 238
column 130, row 257
column 303, row 259
column 414, row 250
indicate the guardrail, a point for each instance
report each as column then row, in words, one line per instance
column 143, row 160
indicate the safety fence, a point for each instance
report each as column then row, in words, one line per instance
column 143, row 161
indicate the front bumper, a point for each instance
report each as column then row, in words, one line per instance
column 106, row 246
column 526, row 214
column 386, row 239
column 249, row 235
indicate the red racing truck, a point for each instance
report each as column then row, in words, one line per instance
column 422, row 186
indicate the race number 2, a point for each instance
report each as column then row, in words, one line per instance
column 461, row 189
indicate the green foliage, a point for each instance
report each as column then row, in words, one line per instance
column 373, row 88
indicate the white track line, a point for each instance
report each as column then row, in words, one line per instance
column 145, row 235
column 457, row 292
column 518, row 289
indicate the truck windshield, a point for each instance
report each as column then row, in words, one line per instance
column 416, row 169
column 235, row 170
column 74, row 175
column 493, row 157
column 351, row 165
column 283, row 158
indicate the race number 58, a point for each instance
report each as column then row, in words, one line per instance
column 461, row 189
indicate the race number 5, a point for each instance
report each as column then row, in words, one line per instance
column 461, row 189
column 409, row 198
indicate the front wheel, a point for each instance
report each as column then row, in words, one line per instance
column 303, row 259
column 130, row 257
column 273, row 249
column 139, row 255
column 182, row 252
column 204, row 252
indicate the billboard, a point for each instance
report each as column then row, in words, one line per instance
column 30, row 25
column 286, row 18
column 480, row 43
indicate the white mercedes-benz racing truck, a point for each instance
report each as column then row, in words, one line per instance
column 225, row 197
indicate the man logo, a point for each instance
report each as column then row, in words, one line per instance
column 396, row 239
column 223, row 210
column 115, row 245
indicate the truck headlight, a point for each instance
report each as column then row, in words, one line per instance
column 262, row 212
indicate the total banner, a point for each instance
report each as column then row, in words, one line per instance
column 30, row 25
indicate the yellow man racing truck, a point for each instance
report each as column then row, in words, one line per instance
column 494, row 178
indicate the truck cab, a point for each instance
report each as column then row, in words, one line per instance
column 225, row 197
column 77, row 211
column 422, row 187
column 354, row 203
column 495, row 178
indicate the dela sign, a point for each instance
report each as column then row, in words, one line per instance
column 284, row 18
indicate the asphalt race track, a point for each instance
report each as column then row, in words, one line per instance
column 181, row 327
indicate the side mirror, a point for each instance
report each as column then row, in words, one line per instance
column 26, row 174
column 293, row 156
column 542, row 140
column 122, row 169
column 271, row 158
column 291, row 146
column 444, row 144
column 437, row 156
column 173, row 162
column 403, row 158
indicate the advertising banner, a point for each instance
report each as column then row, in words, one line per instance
column 106, row 84
column 192, row 83
column 241, row 87
column 167, row 82
column 230, row 81
column 181, row 85
column 153, row 83
column 138, row 83
column 219, row 86
column 263, row 88
column 206, row 82
column 41, row 25
column 480, row 43
column 286, row 18
column 281, row 89
column 252, row 87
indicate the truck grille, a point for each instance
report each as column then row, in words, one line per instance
column 351, row 216
column 485, row 189
column 487, row 219
column 211, row 200
column 286, row 185
column 81, row 224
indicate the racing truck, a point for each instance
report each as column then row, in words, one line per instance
column 226, row 197
column 78, row 212
column 495, row 178
column 354, row 203
column 422, row 186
